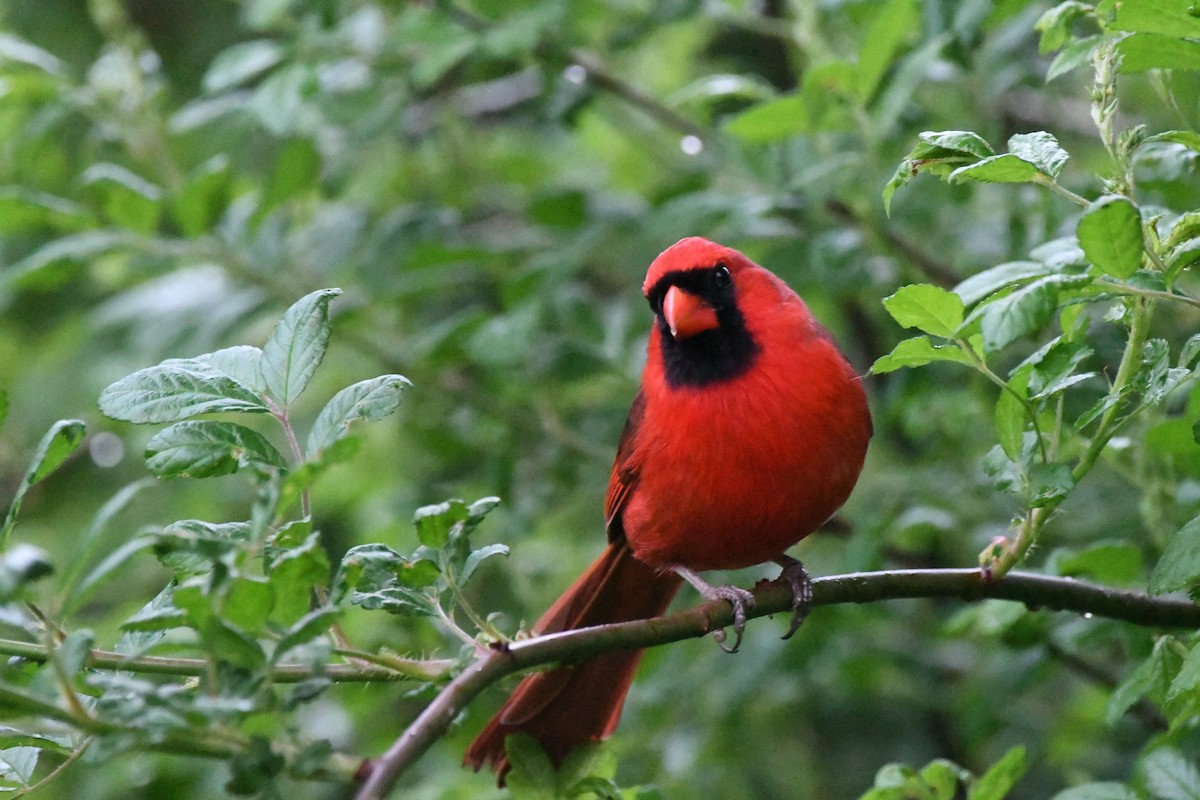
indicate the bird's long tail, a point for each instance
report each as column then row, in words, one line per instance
column 579, row 703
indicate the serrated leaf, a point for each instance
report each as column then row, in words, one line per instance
column 917, row 352
column 243, row 363
column 296, row 345
column 1006, row 168
column 247, row 602
column 176, row 390
column 1170, row 776
column 1179, row 565
column 1110, row 233
column 990, row 281
column 1146, row 51
column 434, row 522
column 294, row 572
column 1000, row 777
column 926, row 307
column 1010, row 417
column 1049, row 483
column 305, row 629
column 1021, row 313
column 55, row 447
column 1040, row 149
column 205, row 448
column 1169, row 17
column 368, row 400
column 226, row 642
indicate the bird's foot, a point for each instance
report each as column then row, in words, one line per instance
column 797, row 578
column 741, row 600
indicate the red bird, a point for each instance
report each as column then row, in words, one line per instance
column 748, row 432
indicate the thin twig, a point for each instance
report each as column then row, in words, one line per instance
column 1035, row 591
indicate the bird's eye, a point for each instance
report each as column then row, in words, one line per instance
column 721, row 277
column 655, row 301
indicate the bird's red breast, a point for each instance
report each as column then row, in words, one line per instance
column 748, row 434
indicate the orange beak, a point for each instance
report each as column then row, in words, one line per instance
column 686, row 314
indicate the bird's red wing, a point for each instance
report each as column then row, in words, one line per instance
column 625, row 470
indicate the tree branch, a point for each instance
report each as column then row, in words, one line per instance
column 1035, row 591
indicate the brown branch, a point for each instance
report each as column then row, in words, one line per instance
column 1035, row 591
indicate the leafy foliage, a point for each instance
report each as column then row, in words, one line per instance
column 488, row 182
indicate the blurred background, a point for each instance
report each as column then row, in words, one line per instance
column 488, row 182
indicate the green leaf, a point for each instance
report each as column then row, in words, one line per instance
column 204, row 196
column 227, row 642
column 205, row 448
column 1168, row 17
column 1049, row 483
column 1055, row 24
column 916, row 352
column 21, row 565
column 297, row 170
column 1097, row 791
column 313, row 624
column 1110, row 233
column 1146, row 51
column 1152, row 678
column 130, row 201
column 891, row 28
column 1021, row 313
column 434, row 522
column 1188, row 677
column 770, row 121
column 1076, row 54
column 1005, row 168
column 939, row 152
column 294, row 572
column 477, row 557
column 193, row 546
column 296, row 345
column 1179, row 566
column 990, row 281
column 532, row 776
column 1106, row 562
column 1040, row 149
column 243, row 363
column 1170, row 776
column 240, row 63
column 368, row 400
column 1010, row 416
column 1001, row 777
column 247, row 602
column 56, row 446
column 926, row 307
column 175, row 390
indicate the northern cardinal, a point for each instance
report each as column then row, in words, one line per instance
column 748, row 432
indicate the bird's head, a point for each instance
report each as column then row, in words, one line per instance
column 693, row 289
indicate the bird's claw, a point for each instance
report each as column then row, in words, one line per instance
column 741, row 600
column 796, row 577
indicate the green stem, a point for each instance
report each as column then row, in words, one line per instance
column 386, row 669
column 1060, row 190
